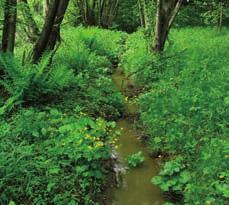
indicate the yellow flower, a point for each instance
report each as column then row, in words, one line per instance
column 88, row 137
column 221, row 177
column 99, row 144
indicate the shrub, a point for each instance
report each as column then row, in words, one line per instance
column 91, row 63
column 137, row 62
column 59, row 159
column 29, row 83
column 135, row 160
column 101, row 42
column 78, row 76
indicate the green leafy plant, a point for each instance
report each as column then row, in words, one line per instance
column 32, row 83
column 135, row 160
column 53, row 158
column 174, row 176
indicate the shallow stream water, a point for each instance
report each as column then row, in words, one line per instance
column 136, row 188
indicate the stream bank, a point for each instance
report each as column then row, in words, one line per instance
column 135, row 187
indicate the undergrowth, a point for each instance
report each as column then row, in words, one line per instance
column 49, row 157
column 56, row 140
column 55, row 145
column 185, row 112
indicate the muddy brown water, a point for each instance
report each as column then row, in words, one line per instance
column 136, row 188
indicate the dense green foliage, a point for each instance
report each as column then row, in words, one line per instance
column 53, row 158
column 54, row 147
column 185, row 112
column 137, row 63
column 57, row 136
column 92, row 60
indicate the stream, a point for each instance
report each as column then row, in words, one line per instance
column 136, row 188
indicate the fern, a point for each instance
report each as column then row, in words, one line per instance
column 61, row 77
column 42, row 66
column 29, row 83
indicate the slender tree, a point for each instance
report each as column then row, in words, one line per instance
column 221, row 10
column 9, row 26
column 50, row 32
column 97, row 12
column 143, row 13
column 165, row 16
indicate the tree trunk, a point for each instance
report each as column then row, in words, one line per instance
column 112, row 12
column 220, row 22
column 50, row 31
column 97, row 12
column 55, row 35
column 9, row 27
column 45, row 7
column 32, row 29
column 143, row 13
column 167, row 11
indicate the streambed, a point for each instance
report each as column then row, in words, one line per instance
column 136, row 188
